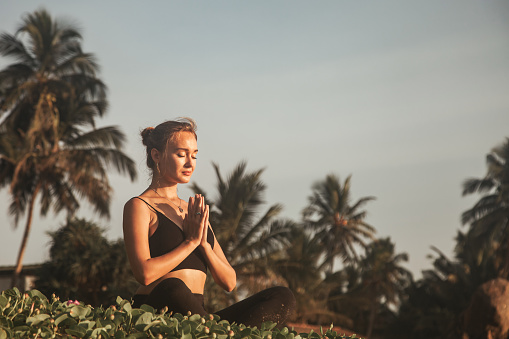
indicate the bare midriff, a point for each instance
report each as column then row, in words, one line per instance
column 194, row 279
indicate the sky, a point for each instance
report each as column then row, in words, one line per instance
column 407, row 97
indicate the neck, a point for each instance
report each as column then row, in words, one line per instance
column 168, row 191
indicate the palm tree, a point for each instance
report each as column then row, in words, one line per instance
column 246, row 238
column 383, row 277
column 489, row 217
column 49, row 144
column 340, row 225
column 300, row 265
column 368, row 288
column 435, row 304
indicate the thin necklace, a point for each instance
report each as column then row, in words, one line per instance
column 180, row 200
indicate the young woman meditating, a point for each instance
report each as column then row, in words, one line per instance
column 171, row 245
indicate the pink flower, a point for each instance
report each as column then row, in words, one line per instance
column 72, row 302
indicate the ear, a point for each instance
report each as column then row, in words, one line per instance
column 156, row 155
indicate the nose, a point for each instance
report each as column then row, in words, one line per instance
column 189, row 161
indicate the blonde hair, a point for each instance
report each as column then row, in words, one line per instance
column 158, row 137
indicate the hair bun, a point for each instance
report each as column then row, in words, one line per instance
column 145, row 135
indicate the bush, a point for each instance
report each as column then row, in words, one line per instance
column 85, row 265
column 32, row 315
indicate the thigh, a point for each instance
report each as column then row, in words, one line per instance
column 273, row 304
column 174, row 294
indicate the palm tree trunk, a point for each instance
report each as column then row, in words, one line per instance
column 505, row 269
column 24, row 241
column 371, row 320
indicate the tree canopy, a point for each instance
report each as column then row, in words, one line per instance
column 50, row 147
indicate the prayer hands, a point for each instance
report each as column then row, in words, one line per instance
column 195, row 225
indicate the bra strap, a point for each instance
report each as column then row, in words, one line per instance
column 151, row 207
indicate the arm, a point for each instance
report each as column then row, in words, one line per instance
column 224, row 275
column 137, row 219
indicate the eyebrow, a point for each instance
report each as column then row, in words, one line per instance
column 185, row 149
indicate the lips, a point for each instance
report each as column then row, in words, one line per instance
column 188, row 173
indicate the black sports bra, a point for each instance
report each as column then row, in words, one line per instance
column 169, row 236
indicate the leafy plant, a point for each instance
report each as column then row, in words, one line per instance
column 33, row 315
column 85, row 265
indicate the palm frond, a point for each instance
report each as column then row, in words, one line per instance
column 109, row 136
column 98, row 156
column 267, row 242
column 78, row 62
column 480, row 209
column 10, row 46
column 361, row 202
column 473, row 185
column 248, row 231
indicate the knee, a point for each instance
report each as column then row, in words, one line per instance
column 284, row 295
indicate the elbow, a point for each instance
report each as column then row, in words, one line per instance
column 231, row 283
column 145, row 281
column 230, row 287
column 144, row 278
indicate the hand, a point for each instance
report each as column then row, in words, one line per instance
column 204, row 241
column 193, row 224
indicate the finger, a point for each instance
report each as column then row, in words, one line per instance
column 206, row 212
column 204, row 205
column 195, row 209
column 190, row 205
column 200, row 208
column 205, row 217
column 205, row 224
column 200, row 204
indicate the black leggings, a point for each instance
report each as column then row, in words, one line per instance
column 273, row 304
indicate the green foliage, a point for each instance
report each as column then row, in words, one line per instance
column 246, row 239
column 50, row 98
column 33, row 315
column 50, row 147
column 339, row 224
column 84, row 265
column 367, row 290
column 488, row 218
column 299, row 264
column 434, row 305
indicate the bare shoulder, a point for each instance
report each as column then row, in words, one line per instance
column 136, row 211
column 134, row 204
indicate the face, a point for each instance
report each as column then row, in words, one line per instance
column 178, row 161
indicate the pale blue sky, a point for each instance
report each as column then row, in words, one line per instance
column 408, row 97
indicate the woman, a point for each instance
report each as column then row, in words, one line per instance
column 170, row 243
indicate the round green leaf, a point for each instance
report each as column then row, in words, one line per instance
column 79, row 311
column 32, row 321
column 3, row 334
column 76, row 331
column 3, row 301
column 38, row 294
column 144, row 319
